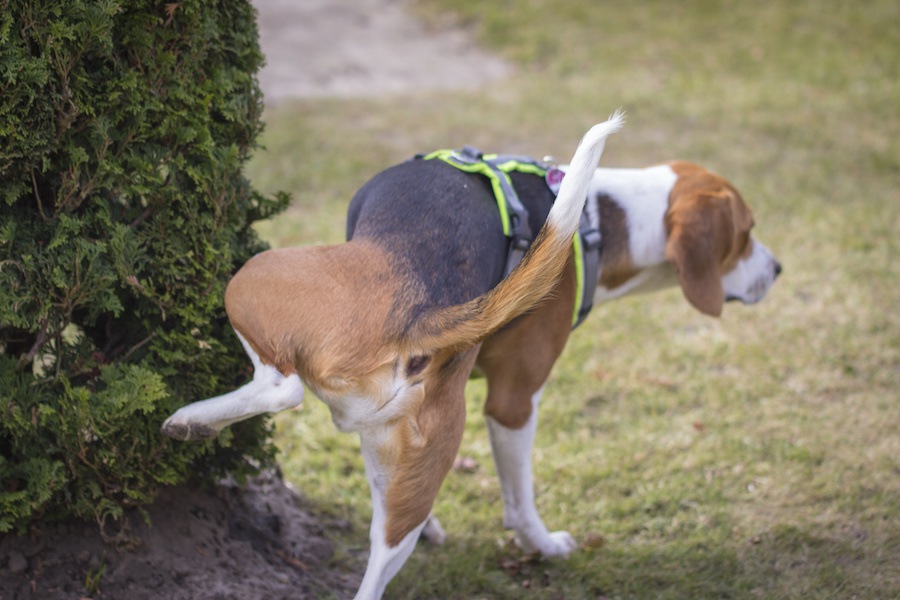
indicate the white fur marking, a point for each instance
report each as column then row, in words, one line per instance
column 358, row 410
column 643, row 194
column 752, row 277
column 566, row 211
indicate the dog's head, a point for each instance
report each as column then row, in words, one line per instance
column 709, row 242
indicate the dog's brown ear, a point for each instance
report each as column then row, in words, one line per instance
column 694, row 246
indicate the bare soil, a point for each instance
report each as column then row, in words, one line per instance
column 256, row 541
column 261, row 540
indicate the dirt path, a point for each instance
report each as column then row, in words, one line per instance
column 346, row 48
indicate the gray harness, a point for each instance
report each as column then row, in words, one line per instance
column 587, row 243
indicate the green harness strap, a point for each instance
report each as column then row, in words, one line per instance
column 514, row 217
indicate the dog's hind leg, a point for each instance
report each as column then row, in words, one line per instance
column 517, row 362
column 268, row 391
column 433, row 532
column 386, row 557
column 406, row 463
column 404, row 480
column 512, row 456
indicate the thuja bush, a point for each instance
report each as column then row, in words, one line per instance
column 124, row 126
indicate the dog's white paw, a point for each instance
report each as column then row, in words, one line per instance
column 183, row 429
column 433, row 532
column 552, row 545
column 561, row 544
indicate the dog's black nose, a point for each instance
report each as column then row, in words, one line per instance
column 777, row 268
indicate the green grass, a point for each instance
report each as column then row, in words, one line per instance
column 755, row 456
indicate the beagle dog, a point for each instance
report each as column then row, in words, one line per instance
column 387, row 327
column 664, row 225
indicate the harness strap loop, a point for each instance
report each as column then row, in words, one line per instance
column 520, row 231
column 588, row 242
column 513, row 215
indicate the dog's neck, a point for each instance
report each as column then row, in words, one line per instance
column 630, row 205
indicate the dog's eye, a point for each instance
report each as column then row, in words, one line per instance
column 416, row 365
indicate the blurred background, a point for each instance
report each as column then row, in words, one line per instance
column 753, row 456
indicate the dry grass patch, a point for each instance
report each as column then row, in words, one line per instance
column 751, row 457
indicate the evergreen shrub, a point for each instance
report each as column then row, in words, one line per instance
column 124, row 127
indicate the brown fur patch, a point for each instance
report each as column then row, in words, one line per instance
column 422, row 447
column 616, row 265
column 301, row 310
column 517, row 359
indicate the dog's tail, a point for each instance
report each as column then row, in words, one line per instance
column 461, row 326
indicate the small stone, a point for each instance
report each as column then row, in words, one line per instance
column 282, row 577
column 33, row 549
column 17, row 562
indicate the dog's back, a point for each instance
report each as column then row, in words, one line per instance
column 442, row 227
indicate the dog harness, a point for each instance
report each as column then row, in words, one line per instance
column 514, row 217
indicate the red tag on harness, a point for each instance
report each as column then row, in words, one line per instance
column 554, row 179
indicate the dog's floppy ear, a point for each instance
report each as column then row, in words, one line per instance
column 696, row 246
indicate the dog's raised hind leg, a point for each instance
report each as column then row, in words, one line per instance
column 268, row 391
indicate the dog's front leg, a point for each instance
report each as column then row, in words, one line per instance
column 512, row 456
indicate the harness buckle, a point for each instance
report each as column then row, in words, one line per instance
column 591, row 239
column 518, row 246
column 520, row 243
column 468, row 154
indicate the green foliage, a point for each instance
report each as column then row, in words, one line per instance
column 92, row 580
column 124, row 128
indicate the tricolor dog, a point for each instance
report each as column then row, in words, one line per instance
column 387, row 327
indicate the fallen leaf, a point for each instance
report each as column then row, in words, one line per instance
column 593, row 540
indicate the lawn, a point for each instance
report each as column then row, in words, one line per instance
column 753, row 456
